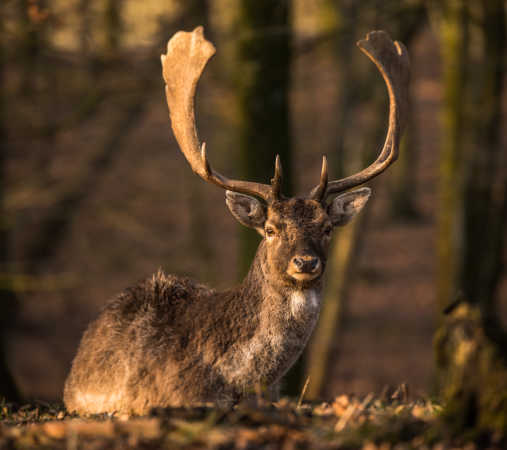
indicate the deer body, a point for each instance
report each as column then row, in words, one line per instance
column 170, row 341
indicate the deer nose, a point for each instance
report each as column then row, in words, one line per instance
column 306, row 264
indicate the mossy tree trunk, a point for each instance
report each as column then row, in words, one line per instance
column 471, row 354
column 485, row 191
column 451, row 19
column 470, row 345
column 263, row 80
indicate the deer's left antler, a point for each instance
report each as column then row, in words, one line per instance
column 391, row 59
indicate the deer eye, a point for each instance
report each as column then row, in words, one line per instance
column 270, row 231
column 328, row 229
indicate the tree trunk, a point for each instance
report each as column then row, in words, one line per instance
column 452, row 23
column 193, row 14
column 32, row 27
column 354, row 89
column 344, row 246
column 263, row 79
column 409, row 18
column 344, row 252
column 8, row 301
column 486, row 178
column 403, row 189
column 113, row 26
column 472, row 361
column 470, row 345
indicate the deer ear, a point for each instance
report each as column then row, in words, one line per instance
column 347, row 205
column 247, row 210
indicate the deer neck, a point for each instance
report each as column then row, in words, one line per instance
column 272, row 293
column 281, row 325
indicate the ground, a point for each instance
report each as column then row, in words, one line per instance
column 367, row 422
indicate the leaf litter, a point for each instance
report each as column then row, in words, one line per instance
column 386, row 421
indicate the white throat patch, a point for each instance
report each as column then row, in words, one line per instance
column 303, row 301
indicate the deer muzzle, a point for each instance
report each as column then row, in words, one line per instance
column 305, row 267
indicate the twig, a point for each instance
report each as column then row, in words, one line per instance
column 303, row 392
column 347, row 415
column 351, row 411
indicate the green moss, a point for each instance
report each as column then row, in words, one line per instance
column 473, row 374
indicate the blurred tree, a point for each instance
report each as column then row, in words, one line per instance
column 113, row 26
column 33, row 30
column 405, row 20
column 37, row 71
column 473, row 178
column 8, row 301
column 55, row 224
column 485, row 180
column 470, row 344
column 192, row 14
column 358, row 83
column 343, row 255
column 471, row 354
column 91, row 92
column 344, row 246
column 262, row 79
column 451, row 20
column 345, row 249
column 85, row 25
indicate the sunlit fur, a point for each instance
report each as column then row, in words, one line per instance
column 171, row 341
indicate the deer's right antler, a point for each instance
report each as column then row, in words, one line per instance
column 182, row 66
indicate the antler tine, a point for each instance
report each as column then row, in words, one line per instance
column 182, row 66
column 276, row 181
column 391, row 59
column 319, row 192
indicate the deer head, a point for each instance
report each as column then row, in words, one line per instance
column 296, row 231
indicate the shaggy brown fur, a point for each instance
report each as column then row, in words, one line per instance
column 171, row 341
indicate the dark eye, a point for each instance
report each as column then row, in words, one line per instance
column 328, row 229
column 270, row 231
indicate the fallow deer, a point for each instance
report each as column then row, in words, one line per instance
column 170, row 341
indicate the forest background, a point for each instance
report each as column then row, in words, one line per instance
column 95, row 195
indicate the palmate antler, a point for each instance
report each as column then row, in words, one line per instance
column 183, row 64
column 391, row 59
